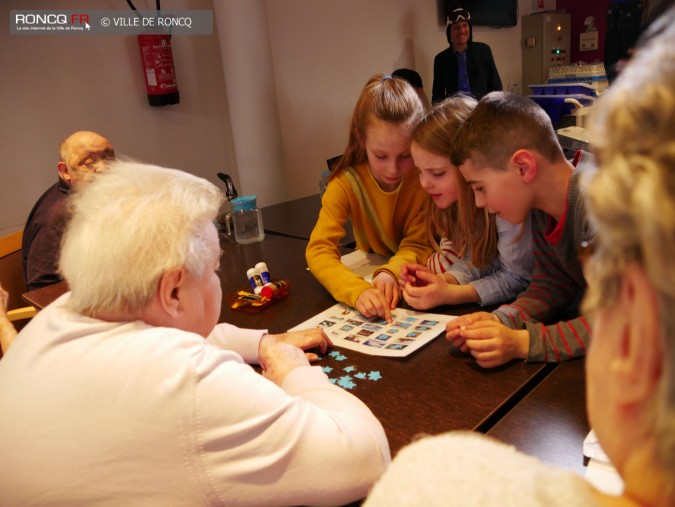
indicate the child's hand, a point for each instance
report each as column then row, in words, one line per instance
column 429, row 291
column 372, row 302
column 494, row 344
column 453, row 328
column 388, row 286
column 434, row 290
column 409, row 274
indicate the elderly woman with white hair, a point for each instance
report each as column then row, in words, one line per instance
column 630, row 367
column 126, row 391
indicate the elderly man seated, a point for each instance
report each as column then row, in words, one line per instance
column 81, row 155
column 126, row 391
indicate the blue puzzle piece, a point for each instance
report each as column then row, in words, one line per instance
column 360, row 375
column 349, row 368
column 374, row 375
column 327, row 369
column 335, row 353
column 332, row 380
column 340, row 357
column 346, row 382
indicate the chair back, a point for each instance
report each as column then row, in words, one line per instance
column 11, row 269
column 332, row 162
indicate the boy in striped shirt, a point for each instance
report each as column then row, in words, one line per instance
column 508, row 152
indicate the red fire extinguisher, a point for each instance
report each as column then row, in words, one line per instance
column 160, row 74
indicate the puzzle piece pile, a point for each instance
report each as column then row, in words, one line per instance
column 348, row 381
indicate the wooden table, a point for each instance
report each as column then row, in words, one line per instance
column 41, row 297
column 293, row 218
column 550, row 422
column 285, row 259
column 297, row 218
column 431, row 391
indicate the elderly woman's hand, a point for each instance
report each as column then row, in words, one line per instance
column 278, row 354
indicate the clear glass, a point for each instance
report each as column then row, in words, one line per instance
column 248, row 226
column 228, row 223
column 225, row 219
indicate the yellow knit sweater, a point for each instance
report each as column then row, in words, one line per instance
column 387, row 223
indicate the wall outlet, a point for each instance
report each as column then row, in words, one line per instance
column 588, row 41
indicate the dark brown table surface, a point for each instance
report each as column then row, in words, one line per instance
column 550, row 422
column 431, row 391
column 293, row 218
column 297, row 218
column 41, row 297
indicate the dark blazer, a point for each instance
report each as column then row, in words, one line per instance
column 483, row 75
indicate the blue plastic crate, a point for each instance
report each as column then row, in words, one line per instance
column 543, row 89
column 574, row 88
column 556, row 107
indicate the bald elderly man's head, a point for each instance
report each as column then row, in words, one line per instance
column 82, row 154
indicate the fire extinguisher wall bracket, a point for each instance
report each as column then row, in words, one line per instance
column 158, row 69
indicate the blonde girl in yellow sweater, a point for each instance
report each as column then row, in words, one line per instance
column 376, row 186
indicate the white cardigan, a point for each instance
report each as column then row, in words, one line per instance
column 100, row 413
column 470, row 469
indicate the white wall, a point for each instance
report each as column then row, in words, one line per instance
column 54, row 85
column 247, row 61
column 323, row 51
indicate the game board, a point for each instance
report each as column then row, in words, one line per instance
column 409, row 331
